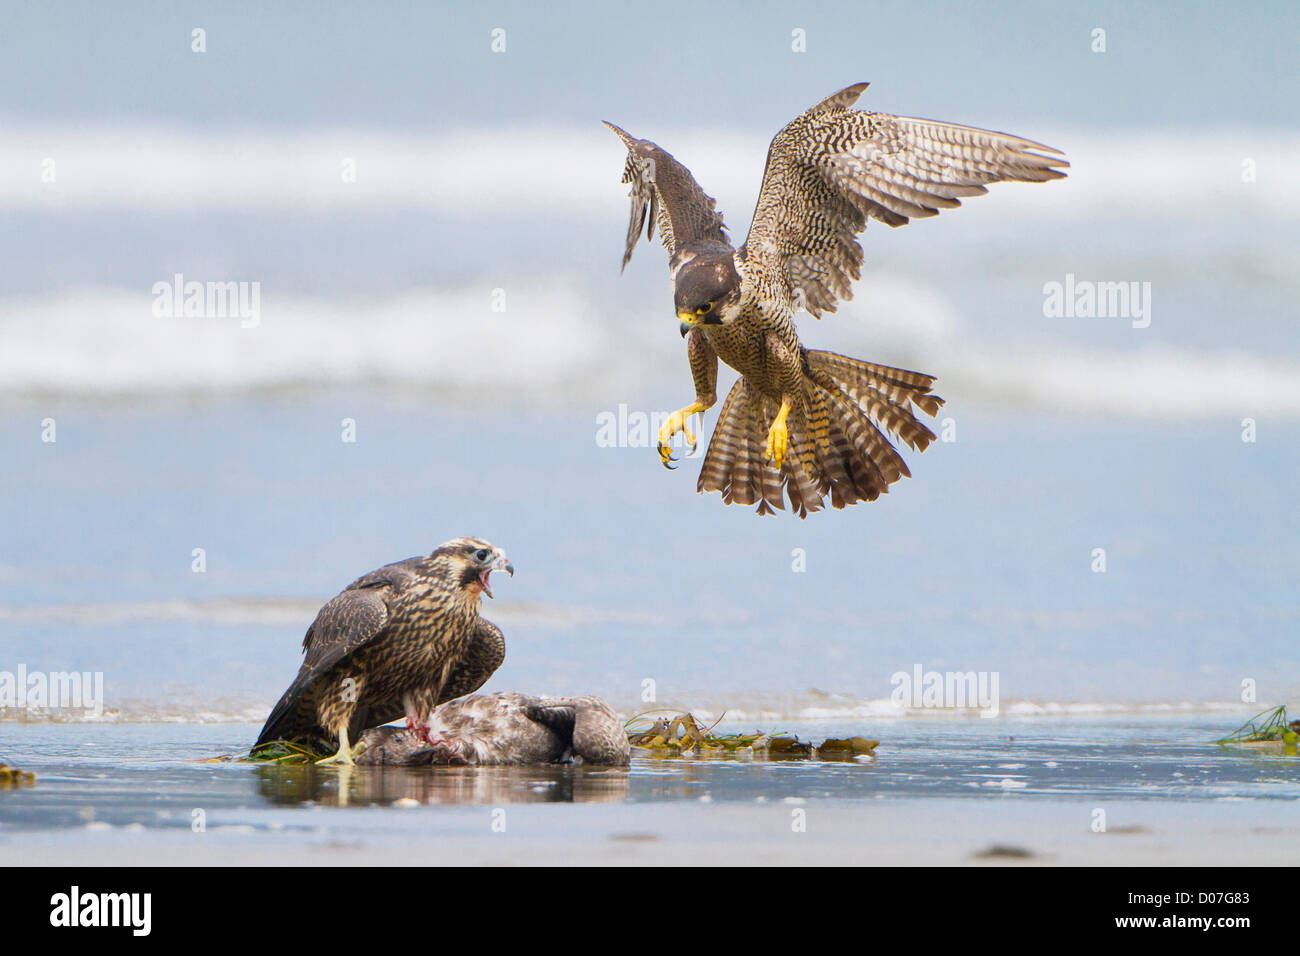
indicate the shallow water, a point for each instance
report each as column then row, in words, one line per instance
column 147, row 776
column 982, row 561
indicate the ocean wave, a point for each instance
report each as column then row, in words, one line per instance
column 287, row 612
column 740, row 710
column 552, row 345
column 134, row 711
column 819, row 706
column 1153, row 382
column 574, row 169
column 110, row 342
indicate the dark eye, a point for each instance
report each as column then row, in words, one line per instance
column 706, row 307
column 482, row 554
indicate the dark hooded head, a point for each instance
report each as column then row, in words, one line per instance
column 706, row 291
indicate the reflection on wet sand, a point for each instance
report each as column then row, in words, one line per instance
column 383, row 786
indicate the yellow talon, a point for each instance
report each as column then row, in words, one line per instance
column 778, row 437
column 344, row 755
column 677, row 423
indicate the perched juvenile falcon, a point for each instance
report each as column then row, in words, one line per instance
column 507, row 728
column 399, row 640
column 804, row 421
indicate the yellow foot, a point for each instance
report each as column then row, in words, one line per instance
column 778, row 437
column 344, row 755
column 340, row 758
column 677, row 423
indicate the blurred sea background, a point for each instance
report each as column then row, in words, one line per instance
column 484, row 178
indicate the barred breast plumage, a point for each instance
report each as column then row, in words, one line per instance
column 808, row 423
column 399, row 640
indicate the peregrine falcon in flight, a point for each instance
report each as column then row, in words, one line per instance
column 399, row 640
column 798, row 420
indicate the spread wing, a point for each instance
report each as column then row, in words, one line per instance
column 682, row 211
column 558, row 713
column 349, row 621
column 484, row 654
column 833, row 168
column 594, row 731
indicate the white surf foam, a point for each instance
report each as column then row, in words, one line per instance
column 556, row 339
column 287, row 612
column 742, row 710
column 553, row 344
column 109, row 342
column 573, row 168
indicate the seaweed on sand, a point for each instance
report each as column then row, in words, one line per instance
column 1268, row 727
column 279, row 752
column 681, row 734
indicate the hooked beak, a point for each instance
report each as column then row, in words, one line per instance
column 690, row 320
column 499, row 563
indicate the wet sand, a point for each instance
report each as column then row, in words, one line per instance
column 892, row 833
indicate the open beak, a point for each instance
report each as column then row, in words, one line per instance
column 499, row 563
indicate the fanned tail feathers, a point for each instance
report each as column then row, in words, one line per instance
column 838, row 443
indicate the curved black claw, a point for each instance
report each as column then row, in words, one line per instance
column 666, row 457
